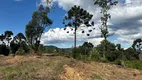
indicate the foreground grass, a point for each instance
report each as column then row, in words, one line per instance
column 62, row 68
column 44, row 68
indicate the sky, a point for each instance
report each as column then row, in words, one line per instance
column 125, row 22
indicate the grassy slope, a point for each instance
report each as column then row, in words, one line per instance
column 29, row 68
column 56, row 68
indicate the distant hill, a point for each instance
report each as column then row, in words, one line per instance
column 54, row 47
column 67, row 49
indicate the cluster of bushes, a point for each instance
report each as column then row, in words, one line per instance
column 83, row 51
column 13, row 49
column 17, row 45
column 19, row 48
column 54, row 50
column 110, row 53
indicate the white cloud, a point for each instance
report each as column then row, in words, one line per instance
column 44, row 3
column 59, row 35
column 133, row 1
column 126, row 22
column 18, row 0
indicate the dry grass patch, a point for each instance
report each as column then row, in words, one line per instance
column 57, row 68
column 33, row 68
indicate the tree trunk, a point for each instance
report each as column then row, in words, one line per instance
column 105, row 47
column 75, row 38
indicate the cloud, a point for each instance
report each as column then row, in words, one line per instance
column 126, row 22
column 60, row 36
column 44, row 3
column 18, row 0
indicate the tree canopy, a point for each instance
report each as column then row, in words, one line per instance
column 105, row 7
column 34, row 29
column 76, row 17
column 137, row 45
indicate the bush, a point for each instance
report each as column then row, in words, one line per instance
column 4, row 50
column 41, row 48
column 94, row 55
column 25, row 47
column 86, row 48
column 105, row 47
column 140, row 57
column 131, row 54
column 112, row 55
column 137, row 64
column 75, row 53
column 20, row 51
column 14, row 47
column 82, row 52
column 120, row 62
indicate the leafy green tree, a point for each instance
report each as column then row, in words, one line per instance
column 105, row 7
column 19, row 38
column 30, row 32
column 19, row 41
column 37, row 25
column 118, row 46
column 76, row 17
column 8, row 35
column 2, row 37
column 42, row 48
column 110, row 46
column 82, row 50
column 3, row 48
column 131, row 54
column 107, row 46
column 86, row 48
column 120, row 51
column 14, row 46
column 137, row 45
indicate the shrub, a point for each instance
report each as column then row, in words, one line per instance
column 137, row 64
column 75, row 53
column 41, row 48
column 120, row 62
column 112, row 55
column 105, row 47
column 20, row 51
column 131, row 54
column 94, row 55
column 25, row 47
column 86, row 48
column 14, row 47
column 4, row 50
column 82, row 52
column 140, row 57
